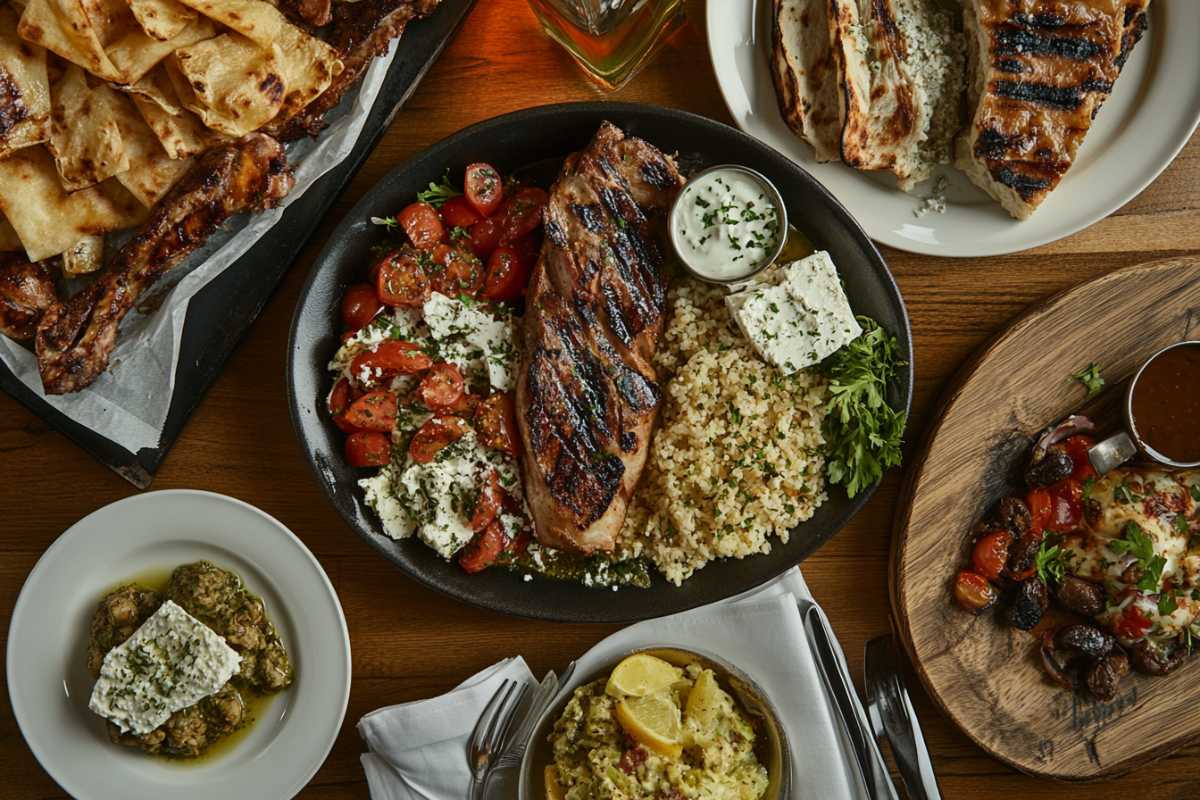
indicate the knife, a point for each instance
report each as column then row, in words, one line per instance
column 869, row 760
column 892, row 716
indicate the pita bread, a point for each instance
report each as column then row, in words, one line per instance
column 111, row 19
column 232, row 84
column 309, row 65
column 47, row 217
column 162, row 19
column 24, row 89
column 805, row 74
column 9, row 241
column 86, row 256
column 180, row 131
column 84, row 137
column 151, row 172
column 257, row 21
column 137, row 53
column 63, row 27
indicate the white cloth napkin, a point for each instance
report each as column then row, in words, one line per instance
column 418, row 750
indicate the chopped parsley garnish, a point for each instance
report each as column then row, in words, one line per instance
column 1167, row 603
column 1136, row 542
column 700, row 201
column 1052, row 562
column 1123, row 492
column 1090, row 378
column 1089, row 483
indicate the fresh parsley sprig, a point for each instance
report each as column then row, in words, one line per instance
column 1052, row 562
column 1142, row 547
column 1089, row 376
column 862, row 430
column 436, row 195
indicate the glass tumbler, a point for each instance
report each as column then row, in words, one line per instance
column 611, row 39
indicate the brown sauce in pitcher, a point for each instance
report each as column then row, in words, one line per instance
column 1166, row 404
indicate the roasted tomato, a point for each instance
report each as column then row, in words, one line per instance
column 484, row 189
column 506, row 275
column 496, row 425
column 522, row 212
column 1077, row 448
column 402, row 281
column 1132, row 625
column 442, row 386
column 485, row 549
column 388, row 360
column 1066, row 502
column 374, row 411
column 457, row 271
column 422, row 225
column 973, row 593
column 435, row 434
column 368, row 449
column 360, row 305
column 991, row 554
column 487, row 503
column 464, row 407
column 340, row 400
column 1040, row 509
column 485, row 236
column 457, row 212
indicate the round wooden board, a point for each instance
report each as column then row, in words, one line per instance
column 983, row 674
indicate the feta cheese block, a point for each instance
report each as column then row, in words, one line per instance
column 173, row 661
column 795, row 315
column 473, row 341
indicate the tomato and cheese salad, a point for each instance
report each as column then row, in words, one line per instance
column 425, row 374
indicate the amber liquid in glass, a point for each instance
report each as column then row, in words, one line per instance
column 611, row 39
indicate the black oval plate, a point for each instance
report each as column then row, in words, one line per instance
column 508, row 142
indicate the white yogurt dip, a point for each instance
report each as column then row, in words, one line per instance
column 725, row 224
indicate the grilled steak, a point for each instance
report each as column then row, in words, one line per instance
column 76, row 336
column 1039, row 71
column 586, row 396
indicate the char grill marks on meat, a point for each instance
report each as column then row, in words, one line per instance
column 1050, row 65
column 586, row 396
column 26, row 293
column 76, row 336
column 362, row 31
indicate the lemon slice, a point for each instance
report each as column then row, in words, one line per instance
column 703, row 700
column 640, row 675
column 653, row 722
column 553, row 790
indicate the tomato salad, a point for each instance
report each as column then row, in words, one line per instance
column 426, row 372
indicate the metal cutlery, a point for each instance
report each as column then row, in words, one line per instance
column 853, row 720
column 490, row 731
column 892, row 716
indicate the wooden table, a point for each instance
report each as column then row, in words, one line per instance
column 411, row 643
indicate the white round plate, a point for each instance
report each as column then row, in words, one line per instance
column 1151, row 114
column 49, row 685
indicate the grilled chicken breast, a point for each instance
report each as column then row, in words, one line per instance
column 26, row 292
column 1039, row 70
column 586, row 396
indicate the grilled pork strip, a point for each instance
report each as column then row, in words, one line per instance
column 362, row 31
column 1040, row 71
column 586, row 396
column 76, row 336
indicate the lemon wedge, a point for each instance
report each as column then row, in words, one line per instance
column 653, row 722
column 703, row 700
column 641, row 675
column 553, row 790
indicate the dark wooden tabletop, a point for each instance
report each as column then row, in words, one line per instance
column 410, row 643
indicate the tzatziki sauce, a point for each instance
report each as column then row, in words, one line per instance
column 725, row 224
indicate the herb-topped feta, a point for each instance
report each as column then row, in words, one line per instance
column 795, row 315
column 171, row 662
column 480, row 346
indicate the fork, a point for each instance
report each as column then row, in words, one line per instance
column 491, row 729
column 893, row 718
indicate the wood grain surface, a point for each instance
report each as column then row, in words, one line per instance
column 410, row 643
column 980, row 671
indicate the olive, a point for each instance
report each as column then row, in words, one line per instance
column 1082, row 597
column 1085, row 639
column 1014, row 516
column 1102, row 679
column 1022, row 559
column 1159, row 659
column 1049, row 467
column 1031, row 603
column 1062, row 668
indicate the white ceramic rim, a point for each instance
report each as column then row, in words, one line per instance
column 49, row 686
column 1150, row 116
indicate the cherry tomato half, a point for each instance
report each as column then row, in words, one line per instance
column 487, row 503
column 506, row 275
column 1066, row 502
column 464, row 406
column 973, row 593
column 1038, row 501
column 523, row 211
column 485, row 236
column 457, row 212
column 1133, row 624
column 340, row 400
column 368, row 449
column 991, row 554
column 374, row 411
column 442, row 386
column 435, row 434
column 1077, row 448
column 360, row 305
column 485, row 549
column 422, row 225
column 496, row 425
column 484, row 189
column 388, row 360
column 402, row 281
column 457, row 271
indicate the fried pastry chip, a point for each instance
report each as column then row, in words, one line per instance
column 63, row 27
column 256, row 20
column 151, row 172
column 162, row 19
column 9, row 241
column 234, row 85
column 86, row 256
column 136, row 52
column 111, row 19
column 180, row 131
column 24, row 89
column 84, row 137
column 309, row 65
column 47, row 217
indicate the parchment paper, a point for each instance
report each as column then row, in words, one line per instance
column 129, row 403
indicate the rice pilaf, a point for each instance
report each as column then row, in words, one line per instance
column 738, row 454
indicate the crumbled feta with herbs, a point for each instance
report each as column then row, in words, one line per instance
column 795, row 315
column 171, row 662
column 469, row 338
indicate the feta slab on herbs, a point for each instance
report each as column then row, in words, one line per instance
column 171, row 662
column 795, row 315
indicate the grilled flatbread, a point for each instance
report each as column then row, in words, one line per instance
column 24, row 89
column 805, row 74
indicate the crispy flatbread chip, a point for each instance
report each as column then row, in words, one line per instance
column 84, row 137
column 234, row 85
column 162, row 19
column 137, row 53
column 111, row 19
column 63, row 27
column 9, row 241
column 256, row 20
column 309, row 66
column 24, row 88
column 47, row 217
column 180, row 131
column 86, row 256
column 151, row 172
